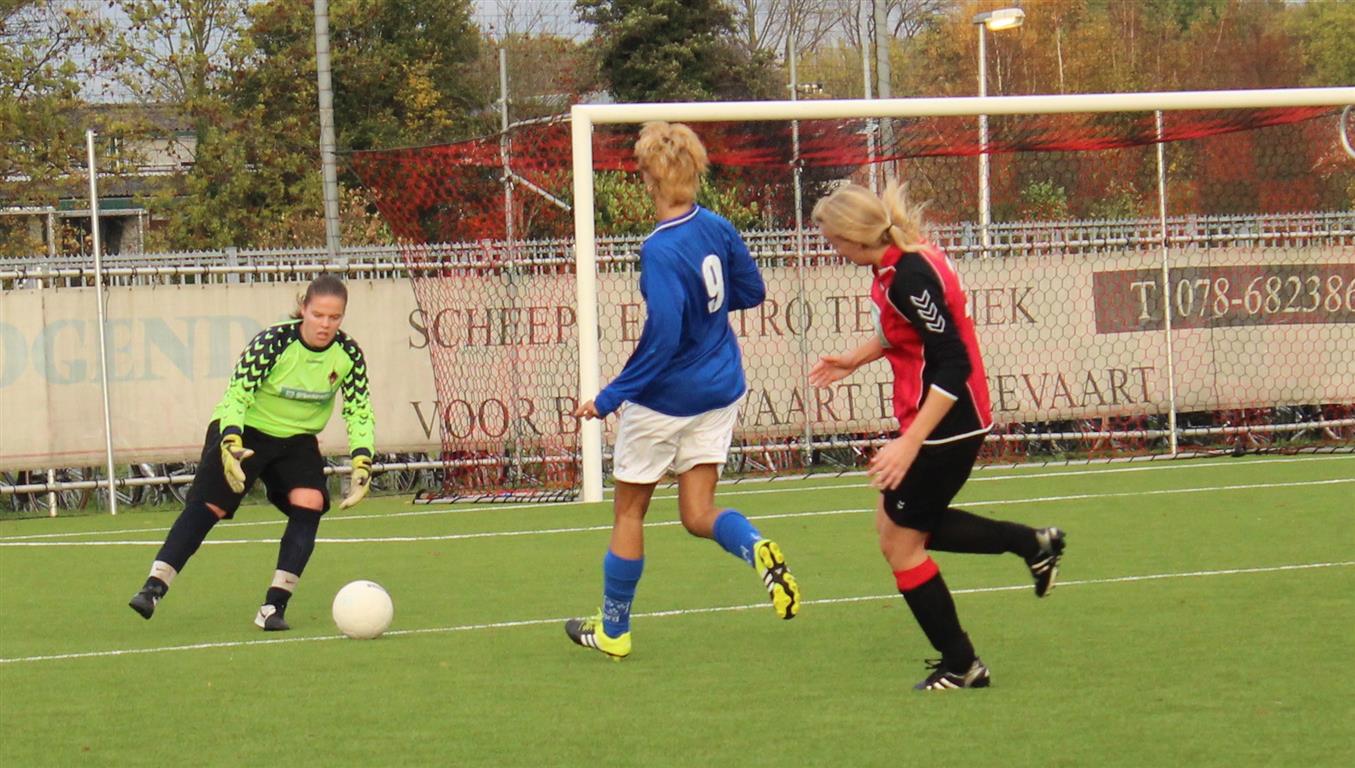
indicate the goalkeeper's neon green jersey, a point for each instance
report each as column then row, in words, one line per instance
column 282, row 387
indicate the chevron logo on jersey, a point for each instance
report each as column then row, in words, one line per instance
column 929, row 312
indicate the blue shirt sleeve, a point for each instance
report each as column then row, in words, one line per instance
column 746, row 289
column 664, row 302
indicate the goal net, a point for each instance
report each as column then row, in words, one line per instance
column 1163, row 274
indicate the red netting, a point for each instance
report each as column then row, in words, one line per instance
column 1262, row 275
column 455, row 192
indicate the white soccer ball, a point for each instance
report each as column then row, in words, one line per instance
column 363, row 610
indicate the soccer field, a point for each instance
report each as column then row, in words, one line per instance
column 1204, row 617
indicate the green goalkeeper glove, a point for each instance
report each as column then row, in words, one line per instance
column 233, row 451
column 359, row 481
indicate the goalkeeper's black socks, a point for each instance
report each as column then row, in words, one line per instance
column 930, row 600
column 298, row 540
column 186, row 535
column 961, row 531
column 280, row 591
column 277, row 597
column 155, row 587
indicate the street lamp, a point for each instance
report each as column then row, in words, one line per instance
column 1004, row 18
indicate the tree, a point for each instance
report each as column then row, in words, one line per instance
column 174, row 57
column 399, row 67
column 44, row 56
column 546, row 73
column 675, row 50
column 399, row 73
column 767, row 25
column 1329, row 55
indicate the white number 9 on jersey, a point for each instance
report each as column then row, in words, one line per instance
column 714, row 275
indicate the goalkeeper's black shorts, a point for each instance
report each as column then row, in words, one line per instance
column 937, row 474
column 282, row 463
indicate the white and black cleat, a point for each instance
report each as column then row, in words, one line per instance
column 1044, row 567
column 942, row 679
column 270, row 619
column 144, row 601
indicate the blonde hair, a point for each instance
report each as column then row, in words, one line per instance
column 855, row 213
column 674, row 158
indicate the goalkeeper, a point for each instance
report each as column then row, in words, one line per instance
column 279, row 398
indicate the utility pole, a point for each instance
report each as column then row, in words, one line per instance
column 327, row 157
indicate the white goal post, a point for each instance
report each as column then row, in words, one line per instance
column 585, row 116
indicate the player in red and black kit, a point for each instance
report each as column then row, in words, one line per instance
column 941, row 402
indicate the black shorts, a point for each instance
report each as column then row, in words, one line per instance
column 283, row 463
column 937, row 474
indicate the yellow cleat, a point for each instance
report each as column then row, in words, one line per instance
column 590, row 634
column 771, row 566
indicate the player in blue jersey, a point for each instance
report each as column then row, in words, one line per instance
column 679, row 393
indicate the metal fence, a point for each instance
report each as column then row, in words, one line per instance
column 39, row 490
column 1092, row 237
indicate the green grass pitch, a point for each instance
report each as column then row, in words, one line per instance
column 1204, row 617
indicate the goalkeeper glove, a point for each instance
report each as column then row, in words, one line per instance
column 233, row 451
column 359, row 481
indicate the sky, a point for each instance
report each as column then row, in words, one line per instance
column 529, row 16
column 494, row 16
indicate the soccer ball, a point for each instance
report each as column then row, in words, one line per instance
column 363, row 610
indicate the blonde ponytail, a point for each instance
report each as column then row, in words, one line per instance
column 859, row 215
column 905, row 217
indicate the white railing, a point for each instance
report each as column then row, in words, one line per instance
column 381, row 262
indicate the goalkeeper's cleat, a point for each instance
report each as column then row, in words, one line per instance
column 590, row 634
column 942, row 680
column 270, row 619
column 771, row 566
column 144, row 601
column 1045, row 565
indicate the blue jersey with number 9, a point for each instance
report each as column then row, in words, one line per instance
column 694, row 270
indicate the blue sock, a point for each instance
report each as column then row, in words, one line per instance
column 619, row 577
column 733, row 532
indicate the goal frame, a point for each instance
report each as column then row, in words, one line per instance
column 584, row 116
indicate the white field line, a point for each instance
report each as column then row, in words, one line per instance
column 664, row 614
column 663, row 523
column 725, row 491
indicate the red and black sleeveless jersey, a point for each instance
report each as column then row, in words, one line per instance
column 929, row 341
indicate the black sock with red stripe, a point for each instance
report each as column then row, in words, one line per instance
column 930, row 600
column 961, row 531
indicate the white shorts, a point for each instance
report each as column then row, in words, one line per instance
column 649, row 443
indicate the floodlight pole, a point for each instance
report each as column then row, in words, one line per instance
column 1005, row 18
column 985, row 214
column 505, row 151
column 328, row 165
column 871, row 125
column 99, row 298
column 797, row 171
column 883, row 75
